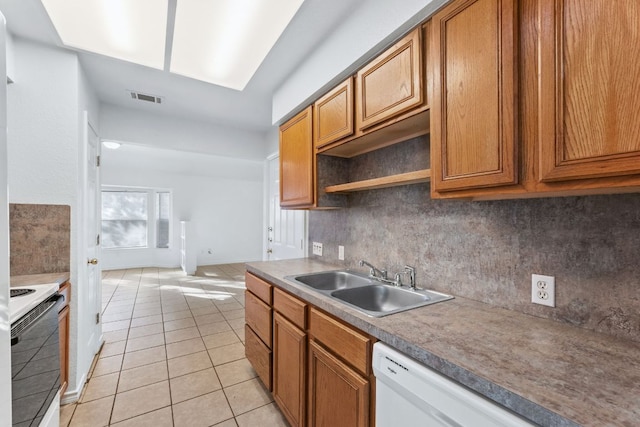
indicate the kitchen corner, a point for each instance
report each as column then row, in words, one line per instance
column 548, row 372
column 40, row 238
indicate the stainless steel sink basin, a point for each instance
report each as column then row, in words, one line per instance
column 332, row 280
column 366, row 295
column 380, row 297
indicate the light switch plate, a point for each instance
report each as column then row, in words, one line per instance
column 341, row 253
column 317, row 248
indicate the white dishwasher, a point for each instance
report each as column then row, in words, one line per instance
column 409, row 394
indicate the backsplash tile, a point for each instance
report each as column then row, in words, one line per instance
column 40, row 238
column 487, row 251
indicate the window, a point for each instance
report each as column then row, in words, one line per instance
column 135, row 218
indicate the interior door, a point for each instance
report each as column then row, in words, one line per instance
column 92, row 232
column 287, row 229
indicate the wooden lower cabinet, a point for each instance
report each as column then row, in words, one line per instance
column 289, row 369
column 317, row 367
column 63, row 337
column 338, row 395
column 63, row 329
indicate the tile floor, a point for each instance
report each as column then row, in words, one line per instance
column 173, row 354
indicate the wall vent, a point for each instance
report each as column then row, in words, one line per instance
column 145, row 97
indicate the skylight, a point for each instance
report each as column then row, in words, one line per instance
column 224, row 42
column 217, row 41
column 133, row 31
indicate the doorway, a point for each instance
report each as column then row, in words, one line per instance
column 286, row 236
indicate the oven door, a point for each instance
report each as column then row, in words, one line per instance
column 35, row 362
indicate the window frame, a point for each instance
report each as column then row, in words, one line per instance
column 152, row 216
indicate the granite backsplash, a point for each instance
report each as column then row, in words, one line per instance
column 487, row 251
column 40, row 238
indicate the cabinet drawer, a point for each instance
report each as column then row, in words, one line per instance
column 259, row 355
column 259, row 287
column 352, row 346
column 290, row 307
column 258, row 317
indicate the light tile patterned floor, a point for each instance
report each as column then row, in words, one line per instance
column 173, row 354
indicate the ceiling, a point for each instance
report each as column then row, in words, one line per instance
column 184, row 97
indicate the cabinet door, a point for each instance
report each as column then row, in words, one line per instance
column 391, row 83
column 589, row 84
column 333, row 115
column 297, row 186
column 474, row 79
column 63, row 331
column 289, row 363
column 338, row 395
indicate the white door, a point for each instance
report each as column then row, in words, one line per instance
column 287, row 229
column 92, row 233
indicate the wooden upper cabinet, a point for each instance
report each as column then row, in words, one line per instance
column 391, row 83
column 589, row 109
column 333, row 115
column 297, row 186
column 473, row 73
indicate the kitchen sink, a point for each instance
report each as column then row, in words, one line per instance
column 367, row 295
column 332, row 280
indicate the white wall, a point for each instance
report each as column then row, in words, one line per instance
column 45, row 105
column 5, row 337
column 221, row 196
column 141, row 127
column 364, row 33
column 272, row 141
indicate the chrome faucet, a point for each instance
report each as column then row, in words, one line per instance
column 411, row 271
column 373, row 271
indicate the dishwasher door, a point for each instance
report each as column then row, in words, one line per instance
column 409, row 394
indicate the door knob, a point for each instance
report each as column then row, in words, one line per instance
column 92, row 261
column 269, row 251
column 269, row 228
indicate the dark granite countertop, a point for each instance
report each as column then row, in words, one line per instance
column 551, row 373
column 38, row 279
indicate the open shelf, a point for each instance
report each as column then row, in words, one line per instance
column 403, row 128
column 414, row 177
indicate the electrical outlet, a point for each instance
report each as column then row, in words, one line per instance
column 341, row 253
column 543, row 290
column 317, row 248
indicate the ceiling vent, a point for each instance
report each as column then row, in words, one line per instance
column 146, row 97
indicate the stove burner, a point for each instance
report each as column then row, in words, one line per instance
column 21, row 292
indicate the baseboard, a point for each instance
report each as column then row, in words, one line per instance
column 72, row 396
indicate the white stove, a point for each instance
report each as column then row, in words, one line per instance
column 21, row 305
